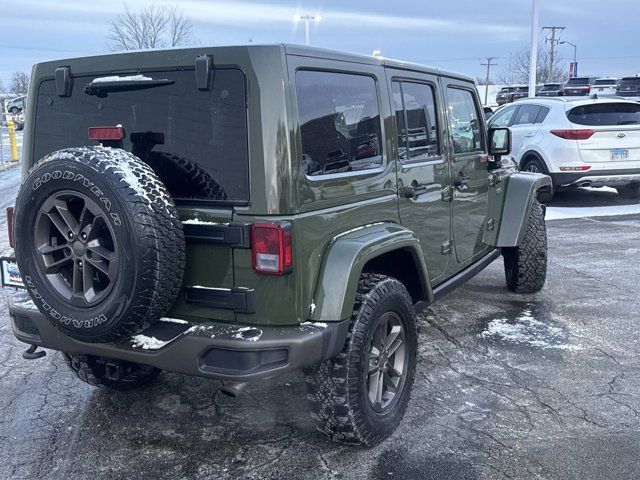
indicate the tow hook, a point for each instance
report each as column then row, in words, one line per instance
column 31, row 354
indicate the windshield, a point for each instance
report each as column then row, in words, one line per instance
column 195, row 140
column 605, row 114
column 553, row 86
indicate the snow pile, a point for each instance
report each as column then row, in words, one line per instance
column 527, row 330
column 147, row 343
column 560, row 213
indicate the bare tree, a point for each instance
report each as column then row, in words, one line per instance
column 151, row 27
column 518, row 71
column 2, row 86
column 19, row 83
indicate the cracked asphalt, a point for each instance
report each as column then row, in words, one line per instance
column 508, row 386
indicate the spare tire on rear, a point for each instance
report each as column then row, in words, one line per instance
column 98, row 242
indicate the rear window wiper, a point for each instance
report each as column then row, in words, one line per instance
column 101, row 86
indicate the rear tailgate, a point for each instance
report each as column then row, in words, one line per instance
column 615, row 137
column 195, row 140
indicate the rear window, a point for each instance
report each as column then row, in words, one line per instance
column 196, row 141
column 603, row 114
column 630, row 81
column 605, row 82
column 578, row 81
column 339, row 122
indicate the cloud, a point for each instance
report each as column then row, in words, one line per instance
column 244, row 13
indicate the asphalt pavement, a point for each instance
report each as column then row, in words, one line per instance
column 543, row 386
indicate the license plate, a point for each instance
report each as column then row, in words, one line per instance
column 619, row 154
column 11, row 274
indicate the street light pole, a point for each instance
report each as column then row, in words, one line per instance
column 575, row 50
column 306, row 19
column 533, row 61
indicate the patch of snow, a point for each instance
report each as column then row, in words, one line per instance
column 173, row 320
column 314, row 324
column 26, row 303
column 197, row 221
column 240, row 334
column 312, row 308
column 561, row 213
column 147, row 343
column 527, row 330
column 201, row 328
column 128, row 78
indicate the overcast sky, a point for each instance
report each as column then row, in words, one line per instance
column 452, row 34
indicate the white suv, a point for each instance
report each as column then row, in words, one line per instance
column 577, row 142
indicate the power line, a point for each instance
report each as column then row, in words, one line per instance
column 489, row 64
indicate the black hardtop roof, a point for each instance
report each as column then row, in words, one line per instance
column 177, row 56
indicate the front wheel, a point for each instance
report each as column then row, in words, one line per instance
column 525, row 266
column 360, row 396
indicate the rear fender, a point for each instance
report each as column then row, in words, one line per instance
column 345, row 258
column 521, row 191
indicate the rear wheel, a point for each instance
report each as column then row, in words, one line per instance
column 525, row 266
column 535, row 165
column 360, row 396
column 631, row 191
column 109, row 373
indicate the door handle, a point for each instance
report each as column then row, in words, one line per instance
column 461, row 180
column 529, row 134
column 413, row 192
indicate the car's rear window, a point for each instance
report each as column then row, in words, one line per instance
column 605, row 82
column 604, row 114
column 195, row 140
column 578, row 81
column 630, row 81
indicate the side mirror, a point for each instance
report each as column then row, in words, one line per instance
column 499, row 142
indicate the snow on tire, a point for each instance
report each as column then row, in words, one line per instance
column 99, row 242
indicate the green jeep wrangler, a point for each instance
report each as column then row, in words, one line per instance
column 239, row 212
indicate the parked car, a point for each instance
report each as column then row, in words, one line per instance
column 629, row 87
column 577, row 142
column 16, row 105
column 503, row 95
column 521, row 91
column 324, row 218
column 605, row 86
column 551, row 90
column 579, row 86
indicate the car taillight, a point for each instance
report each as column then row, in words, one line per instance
column 271, row 248
column 10, row 225
column 105, row 133
column 581, row 134
column 579, row 168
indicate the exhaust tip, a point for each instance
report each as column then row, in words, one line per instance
column 233, row 389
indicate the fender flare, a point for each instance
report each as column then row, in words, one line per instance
column 521, row 190
column 345, row 258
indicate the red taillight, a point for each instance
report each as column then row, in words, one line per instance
column 271, row 248
column 101, row 134
column 579, row 168
column 10, row 225
column 581, row 134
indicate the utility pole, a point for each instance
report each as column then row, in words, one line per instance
column 553, row 40
column 489, row 64
column 307, row 19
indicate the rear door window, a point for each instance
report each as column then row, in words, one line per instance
column 544, row 111
column 195, row 140
column 415, row 112
column 605, row 114
column 339, row 120
column 526, row 115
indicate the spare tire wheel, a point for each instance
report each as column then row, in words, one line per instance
column 99, row 242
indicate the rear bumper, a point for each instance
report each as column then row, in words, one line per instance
column 597, row 178
column 206, row 349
